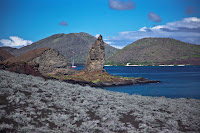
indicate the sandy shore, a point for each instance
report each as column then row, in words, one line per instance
column 31, row 104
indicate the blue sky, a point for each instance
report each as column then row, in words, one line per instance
column 119, row 21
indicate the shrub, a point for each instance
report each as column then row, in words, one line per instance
column 95, row 81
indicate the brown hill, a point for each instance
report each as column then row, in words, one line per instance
column 9, row 49
column 28, row 56
column 156, row 51
column 4, row 55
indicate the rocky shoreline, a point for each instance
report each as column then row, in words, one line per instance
column 102, row 79
column 107, row 84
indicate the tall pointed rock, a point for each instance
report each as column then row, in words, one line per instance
column 96, row 57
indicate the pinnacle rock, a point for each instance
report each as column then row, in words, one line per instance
column 96, row 57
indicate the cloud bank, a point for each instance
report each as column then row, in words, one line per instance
column 15, row 41
column 154, row 17
column 121, row 4
column 187, row 30
column 63, row 23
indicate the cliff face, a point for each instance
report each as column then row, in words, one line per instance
column 96, row 57
column 48, row 60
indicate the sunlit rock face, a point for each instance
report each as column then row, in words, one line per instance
column 50, row 60
column 47, row 60
column 96, row 57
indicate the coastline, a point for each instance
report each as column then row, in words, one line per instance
column 107, row 84
column 102, row 79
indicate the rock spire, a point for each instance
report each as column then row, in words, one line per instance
column 96, row 57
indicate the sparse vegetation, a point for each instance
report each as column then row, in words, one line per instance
column 31, row 104
column 139, row 78
column 96, row 81
column 53, row 76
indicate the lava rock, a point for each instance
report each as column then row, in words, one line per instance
column 49, row 60
column 96, row 57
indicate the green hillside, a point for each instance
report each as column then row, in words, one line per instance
column 80, row 43
column 156, row 51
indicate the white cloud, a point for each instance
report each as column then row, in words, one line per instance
column 108, row 42
column 97, row 35
column 121, row 5
column 187, row 30
column 143, row 29
column 15, row 41
column 118, row 47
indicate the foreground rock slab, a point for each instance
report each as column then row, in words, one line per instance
column 31, row 104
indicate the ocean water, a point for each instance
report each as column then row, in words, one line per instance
column 176, row 81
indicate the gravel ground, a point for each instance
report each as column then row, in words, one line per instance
column 31, row 104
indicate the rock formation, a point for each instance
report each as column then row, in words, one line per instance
column 96, row 57
column 48, row 60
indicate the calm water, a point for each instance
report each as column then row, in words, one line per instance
column 176, row 82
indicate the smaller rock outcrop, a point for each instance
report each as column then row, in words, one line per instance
column 96, row 57
column 48, row 60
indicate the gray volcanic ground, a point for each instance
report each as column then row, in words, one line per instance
column 31, row 104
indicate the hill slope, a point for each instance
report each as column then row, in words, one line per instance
column 9, row 49
column 80, row 43
column 155, row 51
column 4, row 55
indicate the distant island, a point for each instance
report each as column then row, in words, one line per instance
column 155, row 52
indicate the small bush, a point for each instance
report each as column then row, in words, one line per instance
column 96, row 81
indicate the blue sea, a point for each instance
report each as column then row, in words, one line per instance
column 176, row 81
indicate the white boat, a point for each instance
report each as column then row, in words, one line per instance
column 73, row 66
column 166, row 65
column 128, row 64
